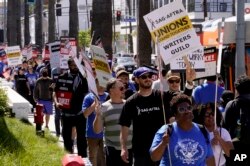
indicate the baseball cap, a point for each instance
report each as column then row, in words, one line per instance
column 142, row 70
column 121, row 72
column 171, row 74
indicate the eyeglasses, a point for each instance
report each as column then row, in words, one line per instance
column 146, row 76
column 174, row 81
column 208, row 114
column 184, row 109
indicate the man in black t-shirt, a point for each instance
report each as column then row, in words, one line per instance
column 69, row 92
column 145, row 112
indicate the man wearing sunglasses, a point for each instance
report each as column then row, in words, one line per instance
column 185, row 140
column 144, row 110
column 106, row 120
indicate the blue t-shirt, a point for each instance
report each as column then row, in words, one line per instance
column 205, row 93
column 87, row 102
column 32, row 77
column 1, row 67
column 186, row 147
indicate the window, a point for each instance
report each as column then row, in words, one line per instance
column 191, row 6
column 223, row 7
column 65, row 32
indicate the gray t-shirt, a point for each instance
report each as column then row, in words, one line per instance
column 110, row 113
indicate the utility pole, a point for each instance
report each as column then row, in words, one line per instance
column 240, row 40
column 87, row 10
column 233, row 7
column 205, row 9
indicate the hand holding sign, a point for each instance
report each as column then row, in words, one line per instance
column 190, row 73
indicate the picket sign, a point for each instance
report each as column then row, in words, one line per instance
column 103, row 72
column 174, row 30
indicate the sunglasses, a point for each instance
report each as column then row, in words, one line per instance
column 174, row 81
column 208, row 114
column 146, row 76
column 184, row 109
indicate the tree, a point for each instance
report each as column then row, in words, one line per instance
column 84, row 39
column 38, row 24
column 18, row 20
column 11, row 23
column 102, row 24
column 73, row 19
column 26, row 24
column 130, row 39
column 143, row 35
column 51, row 21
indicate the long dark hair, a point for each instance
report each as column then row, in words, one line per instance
column 203, row 110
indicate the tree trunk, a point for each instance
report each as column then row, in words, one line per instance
column 51, row 21
column 38, row 24
column 130, row 39
column 143, row 35
column 26, row 24
column 74, row 22
column 73, row 19
column 11, row 24
column 18, row 20
column 102, row 24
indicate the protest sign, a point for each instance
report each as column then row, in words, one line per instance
column 14, row 55
column 90, row 76
column 210, row 57
column 46, row 53
column 174, row 30
column 3, row 56
column 54, row 49
column 103, row 72
column 67, row 47
column 195, row 60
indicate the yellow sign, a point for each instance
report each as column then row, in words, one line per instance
column 13, row 54
column 100, row 65
column 172, row 29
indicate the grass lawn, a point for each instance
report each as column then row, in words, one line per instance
column 20, row 146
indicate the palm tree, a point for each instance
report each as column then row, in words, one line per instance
column 51, row 21
column 143, row 35
column 73, row 19
column 130, row 40
column 102, row 23
column 26, row 24
column 11, row 23
column 18, row 20
column 38, row 24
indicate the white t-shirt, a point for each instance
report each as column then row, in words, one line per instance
column 156, row 85
column 217, row 150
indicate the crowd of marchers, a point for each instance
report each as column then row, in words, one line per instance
column 139, row 121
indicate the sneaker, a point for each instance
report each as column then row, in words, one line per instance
column 47, row 127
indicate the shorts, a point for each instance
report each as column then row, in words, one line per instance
column 48, row 106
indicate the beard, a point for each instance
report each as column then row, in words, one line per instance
column 74, row 71
column 146, row 85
